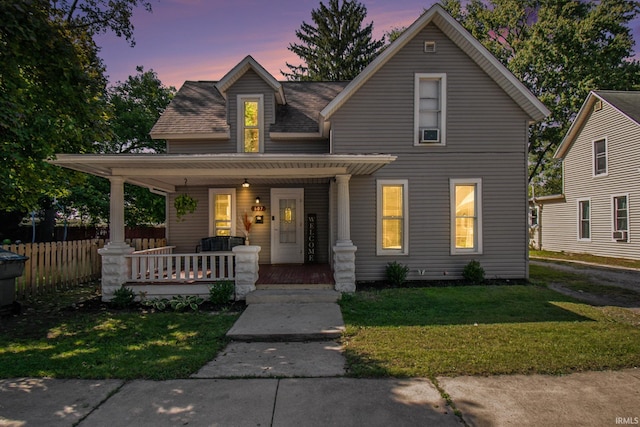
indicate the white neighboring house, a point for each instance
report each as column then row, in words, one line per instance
column 599, row 210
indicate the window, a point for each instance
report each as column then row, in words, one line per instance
column 250, row 124
column 600, row 157
column 533, row 216
column 430, row 109
column 584, row 219
column 620, row 218
column 466, row 216
column 393, row 222
column 222, row 211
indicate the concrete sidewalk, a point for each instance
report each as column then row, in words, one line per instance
column 582, row 399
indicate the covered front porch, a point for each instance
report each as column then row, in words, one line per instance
column 273, row 177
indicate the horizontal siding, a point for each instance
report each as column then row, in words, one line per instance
column 186, row 235
column 559, row 229
column 504, row 217
column 380, row 116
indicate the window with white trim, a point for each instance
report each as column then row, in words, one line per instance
column 250, row 123
column 600, row 157
column 584, row 219
column 392, row 217
column 466, row 216
column 430, row 109
column 621, row 218
column 222, row 206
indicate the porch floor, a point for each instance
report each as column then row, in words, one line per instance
column 295, row 274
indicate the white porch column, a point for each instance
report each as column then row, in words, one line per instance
column 344, row 216
column 246, row 269
column 115, row 267
column 344, row 252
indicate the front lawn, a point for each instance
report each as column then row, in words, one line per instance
column 484, row 330
column 107, row 343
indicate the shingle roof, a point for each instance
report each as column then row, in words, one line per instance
column 199, row 108
column 628, row 102
column 305, row 100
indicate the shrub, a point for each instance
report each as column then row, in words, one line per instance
column 123, row 297
column 221, row 292
column 396, row 273
column 473, row 272
column 176, row 303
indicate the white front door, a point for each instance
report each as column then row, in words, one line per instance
column 287, row 225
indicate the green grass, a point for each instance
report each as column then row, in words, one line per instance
column 484, row 330
column 563, row 256
column 114, row 345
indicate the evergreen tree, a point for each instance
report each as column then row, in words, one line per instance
column 338, row 47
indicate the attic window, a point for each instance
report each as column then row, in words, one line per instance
column 429, row 47
column 597, row 106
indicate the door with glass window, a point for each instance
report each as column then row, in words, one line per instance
column 287, row 225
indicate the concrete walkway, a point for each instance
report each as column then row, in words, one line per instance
column 583, row 399
column 302, row 383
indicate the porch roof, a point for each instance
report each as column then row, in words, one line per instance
column 164, row 172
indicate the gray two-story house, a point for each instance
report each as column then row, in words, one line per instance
column 421, row 159
column 598, row 211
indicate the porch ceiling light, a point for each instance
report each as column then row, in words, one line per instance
column 246, row 184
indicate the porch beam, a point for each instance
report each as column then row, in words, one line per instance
column 264, row 171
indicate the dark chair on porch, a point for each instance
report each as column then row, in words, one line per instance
column 219, row 244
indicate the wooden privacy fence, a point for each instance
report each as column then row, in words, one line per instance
column 60, row 265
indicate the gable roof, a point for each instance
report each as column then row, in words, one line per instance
column 626, row 103
column 468, row 44
column 196, row 111
column 199, row 111
column 238, row 71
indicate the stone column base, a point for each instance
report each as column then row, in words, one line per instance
column 344, row 267
column 115, row 267
column 246, row 269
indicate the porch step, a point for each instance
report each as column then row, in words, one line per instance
column 289, row 286
column 292, row 296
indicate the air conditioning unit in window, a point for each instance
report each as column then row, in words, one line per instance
column 620, row 236
column 429, row 135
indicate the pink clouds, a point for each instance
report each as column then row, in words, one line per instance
column 202, row 40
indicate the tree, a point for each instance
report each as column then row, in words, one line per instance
column 134, row 107
column 560, row 49
column 52, row 92
column 338, row 47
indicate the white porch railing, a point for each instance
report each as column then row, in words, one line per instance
column 161, row 265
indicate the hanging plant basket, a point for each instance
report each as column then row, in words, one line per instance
column 184, row 204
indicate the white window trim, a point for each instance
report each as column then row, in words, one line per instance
column 579, row 219
column 240, row 120
column 443, row 109
column 405, row 208
column 535, row 209
column 613, row 215
column 593, row 157
column 212, row 206
column 453, row 182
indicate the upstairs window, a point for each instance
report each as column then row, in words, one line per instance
column 250, row 124
column 600, row 157
column 430, row 109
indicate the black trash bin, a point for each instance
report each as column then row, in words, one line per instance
column 11, row 266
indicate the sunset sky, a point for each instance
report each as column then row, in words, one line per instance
column 203, row 39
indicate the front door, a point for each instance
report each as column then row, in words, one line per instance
column 287, row 225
